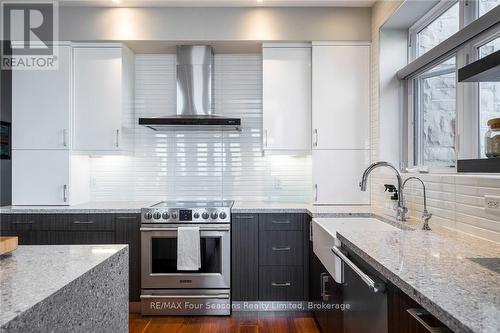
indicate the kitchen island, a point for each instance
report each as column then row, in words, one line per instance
column 65, row 288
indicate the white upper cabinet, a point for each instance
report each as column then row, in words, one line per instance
column 286, row 97
column 336, row 176
column 40, row 177
column 41, row 106
column 103, row 98
column 340, row 96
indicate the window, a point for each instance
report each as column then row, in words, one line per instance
column 447, row 120
column 435, row 98
column 439, row 29
column 489, row 95
column 485, row 6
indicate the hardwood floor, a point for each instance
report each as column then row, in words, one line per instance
column 237, row 323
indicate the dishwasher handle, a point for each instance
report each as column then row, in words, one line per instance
column 372, row 284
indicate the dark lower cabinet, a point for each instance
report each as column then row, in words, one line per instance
column 245, row 257
column 127, row 231
column 281, row 283
column 406, row 315
column 326, row 294
column 82, row 237
column 59, row 229
column 269, row 257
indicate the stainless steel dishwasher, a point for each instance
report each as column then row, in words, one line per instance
column 365, row 294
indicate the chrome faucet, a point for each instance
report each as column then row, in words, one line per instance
column 426, row 216
column 401, row 212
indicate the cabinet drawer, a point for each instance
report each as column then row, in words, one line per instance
column 280, row 248
column 25, row 222
column 85, row 222
column 250, row 218
column 278, row 283
column 82, row 237
column 280, row 222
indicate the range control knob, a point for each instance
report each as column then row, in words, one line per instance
column 214, row 215
column 223, row 215
column 174, row 215
column 196, row 215
column 157, row 215
column 148, row 216
column 205, row 215
column 165, row 216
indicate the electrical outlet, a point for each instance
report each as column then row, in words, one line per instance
column 492, row 204
column 277, row 183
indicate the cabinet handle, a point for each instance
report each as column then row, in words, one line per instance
column 324, row 279
column 281, row 284
column 310, row 231
column 65, row 193
column 117, row 138
column 244, row 217
column 23, row 222
column 83, row 222
column 315, row 139
column 418, row 314
column 315, row 192
column 284, row 248
column 280, row 222
column 374, row 286
column 65, row 137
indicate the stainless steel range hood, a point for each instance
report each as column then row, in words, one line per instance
column 194, row 94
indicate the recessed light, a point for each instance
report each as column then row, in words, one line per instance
column 116, row 1
column 260, row 1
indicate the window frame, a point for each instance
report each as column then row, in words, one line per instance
column 467, row 141
column 426, row 20
column 412, row 107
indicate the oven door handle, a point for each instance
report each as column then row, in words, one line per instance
column 175, row 229
column 218, row 296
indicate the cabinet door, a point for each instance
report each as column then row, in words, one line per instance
column 98, row 98
column 336, row 176
column 40, row 177
column 41, row 106
column 128, row 232
column 341, row 96
column 245, row 257
column 286, row 98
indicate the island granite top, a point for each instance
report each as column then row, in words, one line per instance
column 34, row 272
column 452, row 275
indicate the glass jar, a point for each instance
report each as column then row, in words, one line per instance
column 492, row 138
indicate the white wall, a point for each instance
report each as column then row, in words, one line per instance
column 201, row 165
column 214, row 24
column 457, row 201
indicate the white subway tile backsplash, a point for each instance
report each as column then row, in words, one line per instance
column 201, row 165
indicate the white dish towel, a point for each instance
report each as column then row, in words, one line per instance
column 188, row 249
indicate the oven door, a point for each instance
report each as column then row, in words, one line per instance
column 159, row 259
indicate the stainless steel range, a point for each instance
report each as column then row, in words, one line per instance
column 169, row 291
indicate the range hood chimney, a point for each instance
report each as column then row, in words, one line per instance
column 194, row 94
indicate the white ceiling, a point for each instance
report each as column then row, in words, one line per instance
column 218, row 3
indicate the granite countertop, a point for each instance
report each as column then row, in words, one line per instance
column 134, row 207
column 452, row 275
column 35, row 272
column 123, row 207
